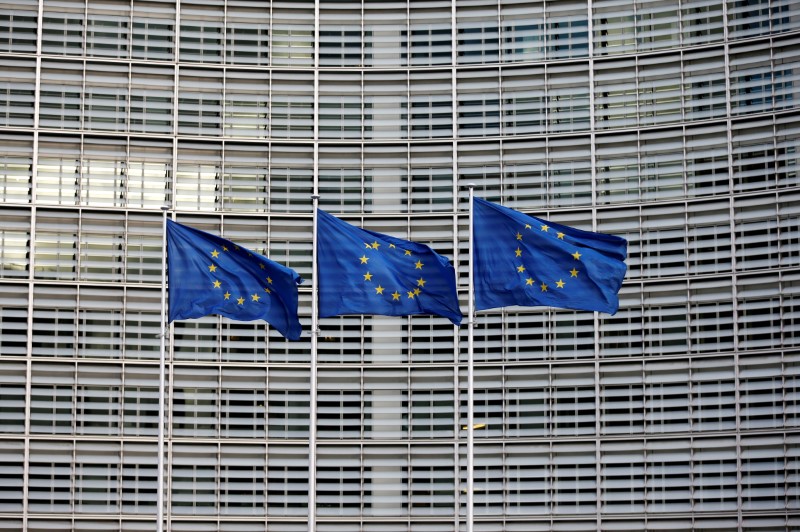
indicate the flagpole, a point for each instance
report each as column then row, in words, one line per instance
column 470, row 380
column 312, row 426
column 161, row 374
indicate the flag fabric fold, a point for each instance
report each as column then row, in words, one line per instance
column 364, row 272
column 212, row 275
column 527, row 261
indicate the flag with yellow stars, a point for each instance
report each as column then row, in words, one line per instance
column 522, row 260
column 210, row 275
column 364, row 272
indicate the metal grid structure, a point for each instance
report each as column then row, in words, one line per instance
column 671, row 123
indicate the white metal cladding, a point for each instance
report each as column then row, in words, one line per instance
column 673, row 124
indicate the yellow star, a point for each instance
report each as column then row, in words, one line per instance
column 215, row 253
column 560, row 283
column 545, row 228
column 410, row 294
column 396, row 296
column 267, row 290
column 217, row 284
column 529, row 281
column 573, row 272
column 418, row 265
column 212, row 268
column 421, row 282
column 224, row 248
column 560, row 236
column 255, row 297
column 261, row 265
column 391, row 246
column 367, row 276
column 519, row 236
column 227, row 295
column 240, row 301
column 527, row 226
column 366, row 244
column 408, row 252
column 417, row 291
column 518, row 252
column 269, row 280
column 375, row 245
column 236, row 248
column 364, row 259
column 576, row 256
column 543, row 287
column 520, row 269
column 379, row 290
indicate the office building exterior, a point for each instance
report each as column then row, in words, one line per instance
column 671, row 123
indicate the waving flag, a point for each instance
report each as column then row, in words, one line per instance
column 364, row 272
column 522, row 260
column 211, row 275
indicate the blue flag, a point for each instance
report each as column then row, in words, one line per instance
column 211, row 275
column 364, row 272
column 522, row 260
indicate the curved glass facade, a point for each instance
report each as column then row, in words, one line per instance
column 671, row 123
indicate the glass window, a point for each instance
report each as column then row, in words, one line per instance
column 293, row 33
column 657, row 24
column 567, row 29
column 385, row 35
column 704, row 84
column 709, row 237
column 478, row 103
column 617, row 174
column 568, row 97
column 151, row 99
column 385, row 185
column 291, row 179
column 478, row 35
column 153, row 30
column 659, row 89
column 200, row 102
column 613, row 28
column 340, row 34
column 247, row 33
column 522, row 26
column 702, row 21
column 50, row 477
column 108, row 28
column 287, row 480
column 748, row 18
column 431, row 33
column 524, row 105
column 198, row 176
column 63, row 27
column 61, row 95
column 385, row 106
column 16, row 168
column 17, row 84
column 340, row 105
column 202, row 31
column 19, row 26
column 292, row 97
column 750, row 79
column 246, row 104
column 615, row 95
column 431, row 104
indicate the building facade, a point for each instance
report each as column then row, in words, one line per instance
column 671, row 123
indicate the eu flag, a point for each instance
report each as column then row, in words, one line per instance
column 364, row 272
column 522, row 260
column 211, row 275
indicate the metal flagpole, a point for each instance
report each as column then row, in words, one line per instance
column 312, row 426
column 470, row 382
column 161, row 377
